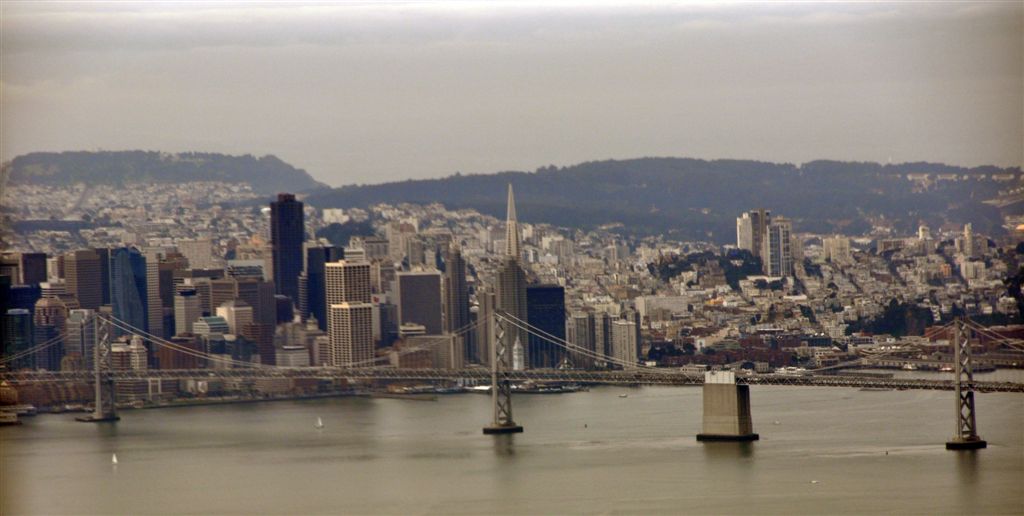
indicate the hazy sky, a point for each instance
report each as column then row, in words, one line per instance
column 369, row 92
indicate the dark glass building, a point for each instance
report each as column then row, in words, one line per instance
column 419, row 300
column 128, row 297
column 316, row 293
column 287, row 233
column 545, row 310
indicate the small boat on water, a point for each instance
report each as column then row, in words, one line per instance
column 623, row 395
column 113, row 459
column 909, row 367
column 319, row 423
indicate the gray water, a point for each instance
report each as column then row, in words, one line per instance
column 587, row 452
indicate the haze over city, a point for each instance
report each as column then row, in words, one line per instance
column 511, row 257
column 373, row 92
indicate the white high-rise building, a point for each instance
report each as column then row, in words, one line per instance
column 349, row 313
column 624, row 344
column 777, row 254
column 744, row 232
column 187, row 311
column 350, row 330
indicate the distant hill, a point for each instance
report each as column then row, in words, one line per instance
column 697, row 199
column 266, row 174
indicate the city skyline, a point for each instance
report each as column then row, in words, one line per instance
column 568, row 257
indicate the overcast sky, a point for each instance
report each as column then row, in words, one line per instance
column 371, row 92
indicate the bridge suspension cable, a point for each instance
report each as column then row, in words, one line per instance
column 34, row 349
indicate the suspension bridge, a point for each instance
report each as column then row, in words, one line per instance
column 727, row 414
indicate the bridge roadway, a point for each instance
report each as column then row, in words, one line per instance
column 483, row 376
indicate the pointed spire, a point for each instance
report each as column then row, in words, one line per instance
column 512, row 242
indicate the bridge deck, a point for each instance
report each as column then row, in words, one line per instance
column 642, row 377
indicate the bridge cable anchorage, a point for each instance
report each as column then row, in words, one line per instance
column 966, row 435
column 501, row 384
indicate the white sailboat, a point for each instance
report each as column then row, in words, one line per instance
column 319, row 423
column 113, row 459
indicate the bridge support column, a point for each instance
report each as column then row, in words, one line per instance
column 966, row 436
column 501, row 386
column 726, row 409
column 104, row 408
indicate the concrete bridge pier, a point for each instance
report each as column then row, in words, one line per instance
column 726, row 409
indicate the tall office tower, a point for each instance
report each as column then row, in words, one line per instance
column 456, row 302
column 545, row 310
column 154, row 308
column 968, row 245
column 83, row 273
column 187, row 310
column 419, row 300
column 603, row 334
column 486, row 302
column 625, row 346
column 745, row 232
column 24, row 268
column 777, row 253
column 347, row 282
column 128, row 294
column 349, row 312
column 351, row 334
column 284, row 310
column 104, row 255
column 315, row 300
column 237, row 313
column 81, row 339
column 287, row 233
column 760, row 219
column 17, row 337
column 199, row 252
column 49, row 321
column 581, row 333
column 511, row 281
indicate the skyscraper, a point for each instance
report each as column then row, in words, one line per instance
column 315, row 301
column 777, row 253
column 419, row 300
column 545, row 309
column 349, row 313
column 17, row 337
column 456, row 294
column 287, row 233
column 128, row 288
column 744, row 232
column 759, row 220
column 624, row 342
column 187, row 310
column 84, row 275
column 82, row 334
column 511, row 280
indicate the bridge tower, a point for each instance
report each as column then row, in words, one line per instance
column 966, row 436
column 726, row 409
column 105, row 409
column 501, row 385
